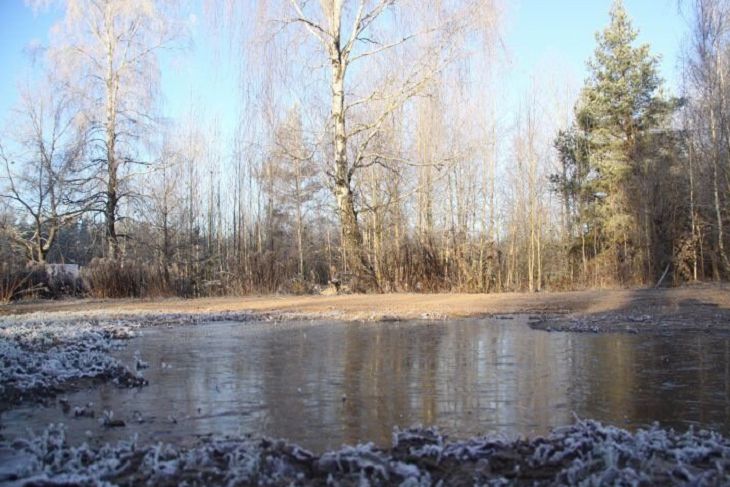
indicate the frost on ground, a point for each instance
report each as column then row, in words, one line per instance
column 586, row 453
column 42, row 355
column 39, row 360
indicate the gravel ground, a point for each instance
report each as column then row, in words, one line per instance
column 586, row 453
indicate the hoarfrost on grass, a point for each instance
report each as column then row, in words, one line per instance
column 38, row 359
column 586, row 453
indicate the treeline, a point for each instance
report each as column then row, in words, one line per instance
column 394, row 165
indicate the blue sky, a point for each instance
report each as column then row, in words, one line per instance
column 563, row 30
column 536, row 33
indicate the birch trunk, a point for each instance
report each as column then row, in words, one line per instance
column 352, row 242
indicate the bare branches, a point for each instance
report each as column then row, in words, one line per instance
column 384, row 47
column 315, row 29
column 362, row 22
column 42, row 178
column 111, row 47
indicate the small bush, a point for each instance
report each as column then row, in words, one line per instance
column 34, row 281
column 12, row 283
column 183, row 287
column 107, row 278
column 297, row 286
column 29, row 282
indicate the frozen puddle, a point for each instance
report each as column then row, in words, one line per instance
column 324, row 384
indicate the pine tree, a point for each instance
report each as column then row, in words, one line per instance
column 619, row 109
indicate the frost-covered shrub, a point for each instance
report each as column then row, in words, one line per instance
column 35, row 281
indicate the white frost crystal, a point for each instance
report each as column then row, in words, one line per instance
column 587, row 453
column 37, row 357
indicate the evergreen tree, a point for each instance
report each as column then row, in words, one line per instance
column 617, row 116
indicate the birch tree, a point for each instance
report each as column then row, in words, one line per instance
column 42, row 168
column 108, row 50
column 350, row 36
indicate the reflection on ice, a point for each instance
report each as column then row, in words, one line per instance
column 324, row 384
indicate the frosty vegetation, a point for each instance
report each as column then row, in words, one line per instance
column 586, row 453
column 41, row 359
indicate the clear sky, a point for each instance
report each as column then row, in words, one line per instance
column 563, row 30
column 555, row 33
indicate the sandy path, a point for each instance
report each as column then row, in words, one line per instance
column 694, row 302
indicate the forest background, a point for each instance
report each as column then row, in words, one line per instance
column 376, row 144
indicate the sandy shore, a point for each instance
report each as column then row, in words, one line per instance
column 697, row 308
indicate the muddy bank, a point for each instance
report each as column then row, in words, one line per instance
column 587, row 453
column 640, row 323
column 647, row 315
column 704, row 307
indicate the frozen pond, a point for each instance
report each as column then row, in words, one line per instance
column 322, row 384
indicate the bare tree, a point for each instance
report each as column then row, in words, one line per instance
column 42, row 176
column 108, row 50
column 294, row 175
column 162, row 207
column 347, row 33
column 708, row 66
